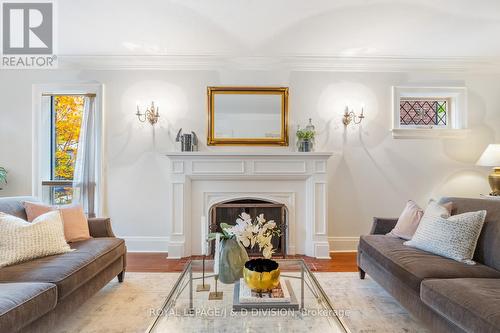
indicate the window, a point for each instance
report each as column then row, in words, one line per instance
column 427, row 112
column 421, row 112
column 66, row 169
column 66, row 117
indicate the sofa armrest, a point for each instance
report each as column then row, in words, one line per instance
column 382, row 226
column 100, row 227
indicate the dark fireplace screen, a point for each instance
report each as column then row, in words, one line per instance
column 228, row 212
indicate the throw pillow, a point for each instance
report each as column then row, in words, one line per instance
column 412, row 214
column 454, row 237
column 76, row 227
column 408, row 221
column 21, row 240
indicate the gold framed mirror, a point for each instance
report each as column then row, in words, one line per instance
column 247, row 116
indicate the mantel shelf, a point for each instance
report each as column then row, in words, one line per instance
column 243, row 154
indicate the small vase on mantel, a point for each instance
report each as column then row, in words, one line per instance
column 305, row 138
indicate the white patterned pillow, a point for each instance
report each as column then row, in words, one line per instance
column 454, row 237
column 21, row 240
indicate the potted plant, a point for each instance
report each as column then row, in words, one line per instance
column 305, row 138
column 3, row 176
column 248, row 232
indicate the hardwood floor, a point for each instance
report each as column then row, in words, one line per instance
column 158, row 262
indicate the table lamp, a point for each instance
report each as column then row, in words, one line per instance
column 491, row 158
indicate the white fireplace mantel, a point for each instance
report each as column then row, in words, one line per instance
column 200, row 179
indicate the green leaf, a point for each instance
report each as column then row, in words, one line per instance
column 213, row 235
column 225, row 226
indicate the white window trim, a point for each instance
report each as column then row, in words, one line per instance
column 457, row 112
column 41, row 142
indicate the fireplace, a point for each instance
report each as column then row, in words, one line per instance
column 229, row 211
column 297, row 182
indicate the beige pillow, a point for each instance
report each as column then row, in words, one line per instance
column 408, row 221
column 454, row 237
column 412, row 215
column 76, row 227
column 21, row 240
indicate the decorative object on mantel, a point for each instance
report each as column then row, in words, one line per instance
column 305, row 137
column 188, row 142
column 151, row 114
column 350, row 116
column 491, row 158
column 3, row 176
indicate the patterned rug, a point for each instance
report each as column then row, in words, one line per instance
column 126, row 307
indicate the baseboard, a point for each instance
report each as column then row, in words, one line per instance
column 343, row 244
column 146, row 244
column 160, row 244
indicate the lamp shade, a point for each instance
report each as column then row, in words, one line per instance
column 490, row 156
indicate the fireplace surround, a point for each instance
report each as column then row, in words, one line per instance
column 200, row 180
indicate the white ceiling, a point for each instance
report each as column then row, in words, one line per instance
column 354, row 28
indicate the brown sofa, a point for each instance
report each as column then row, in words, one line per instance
column 444, row 294
column 35, row 294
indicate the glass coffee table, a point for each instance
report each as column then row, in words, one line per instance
column 188, row 310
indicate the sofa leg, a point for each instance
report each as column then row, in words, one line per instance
column 121, row 276
column 362, row 273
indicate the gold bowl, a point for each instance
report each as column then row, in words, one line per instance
column 261, row 274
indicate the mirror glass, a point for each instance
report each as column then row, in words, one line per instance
column 247, row 115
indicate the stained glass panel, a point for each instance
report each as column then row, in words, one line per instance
column 423, row 112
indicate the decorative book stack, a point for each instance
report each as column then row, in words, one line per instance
column 278, row 294
column 281, row 297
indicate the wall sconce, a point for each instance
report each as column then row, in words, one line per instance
column 151, row 114
column 351, row 116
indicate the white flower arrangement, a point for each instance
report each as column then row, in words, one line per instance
column 250, row 232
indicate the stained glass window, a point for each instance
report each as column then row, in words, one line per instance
column 423, row 112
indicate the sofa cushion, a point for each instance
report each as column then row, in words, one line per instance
column 69, row 270
column 14, row 206
column 22, row 303
column 411, row 265
column 473, row 304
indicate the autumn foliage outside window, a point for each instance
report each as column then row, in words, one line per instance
column 67, row 112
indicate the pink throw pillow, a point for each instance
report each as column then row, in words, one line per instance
column 412, row 214
column 408, row 221
column 75, row 223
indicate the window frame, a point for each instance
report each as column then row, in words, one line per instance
column 456, row 124
column 42, row 143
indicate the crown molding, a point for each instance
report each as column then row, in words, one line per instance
column 291, row 63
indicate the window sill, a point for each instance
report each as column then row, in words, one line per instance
column 428, row 133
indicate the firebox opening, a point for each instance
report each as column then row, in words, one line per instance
column 229, row 211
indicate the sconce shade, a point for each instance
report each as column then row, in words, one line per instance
column 490, row 156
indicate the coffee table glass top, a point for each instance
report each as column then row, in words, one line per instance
column 187, row 310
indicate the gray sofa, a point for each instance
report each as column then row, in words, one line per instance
column 444, row 294
column 35, row 294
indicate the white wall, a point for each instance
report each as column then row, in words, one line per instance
column 373, row 176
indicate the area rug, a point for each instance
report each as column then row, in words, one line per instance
column 126, row 307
